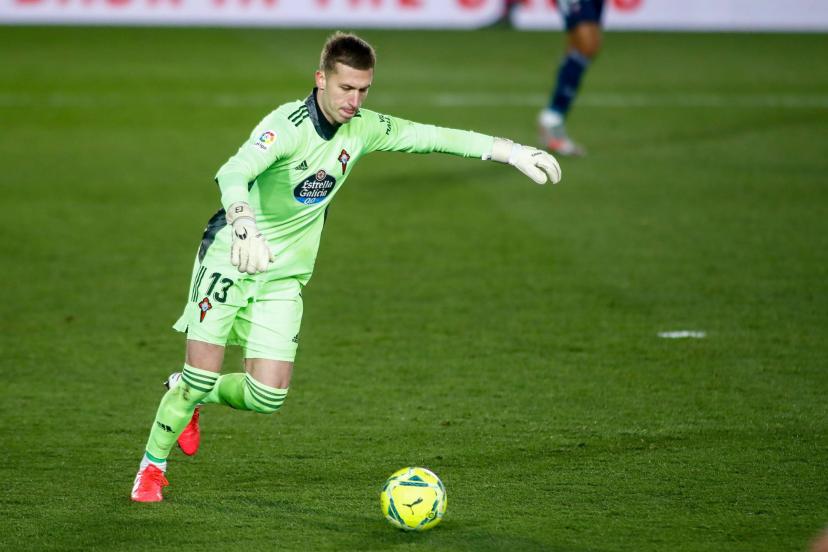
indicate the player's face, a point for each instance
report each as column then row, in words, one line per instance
column 342, row 91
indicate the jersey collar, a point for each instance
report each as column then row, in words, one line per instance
column 323, row 128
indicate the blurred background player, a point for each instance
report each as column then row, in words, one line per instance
column 582, row 19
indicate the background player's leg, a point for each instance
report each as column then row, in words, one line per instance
column 583, row 45
column 586, row 39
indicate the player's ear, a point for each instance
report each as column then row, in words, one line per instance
column 320, row 80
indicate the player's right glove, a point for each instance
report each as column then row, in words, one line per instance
column 249, row 251
column 534, row 163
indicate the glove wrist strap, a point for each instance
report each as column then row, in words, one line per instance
column 501, row 150
column 505, row 151
column 239, row 210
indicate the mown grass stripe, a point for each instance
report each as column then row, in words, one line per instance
column 761, row 293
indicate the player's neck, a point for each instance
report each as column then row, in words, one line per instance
column 321, row 109
column 321, row 122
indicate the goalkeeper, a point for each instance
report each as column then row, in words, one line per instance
column 258, row 251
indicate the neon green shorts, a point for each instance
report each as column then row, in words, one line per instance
column 263, row 317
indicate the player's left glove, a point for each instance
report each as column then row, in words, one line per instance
column 249, row 251
column 534, row 163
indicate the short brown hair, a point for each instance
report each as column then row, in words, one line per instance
column 347, row 49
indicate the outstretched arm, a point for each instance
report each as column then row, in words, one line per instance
column 392, row 134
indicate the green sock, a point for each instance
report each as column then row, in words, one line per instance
column 242, row 392
column 262, row 398
column 229, row 391
column 176, row 409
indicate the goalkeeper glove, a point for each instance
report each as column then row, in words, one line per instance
column 534, row 163
column 249, row 251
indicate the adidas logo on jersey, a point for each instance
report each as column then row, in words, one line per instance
column 303, row 166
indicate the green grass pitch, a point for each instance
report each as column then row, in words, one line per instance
column 461, row 318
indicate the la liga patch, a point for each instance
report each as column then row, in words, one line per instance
column 266, row 140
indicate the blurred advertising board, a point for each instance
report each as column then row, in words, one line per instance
column 339, row 14
column 777, row 15
column 689, row 15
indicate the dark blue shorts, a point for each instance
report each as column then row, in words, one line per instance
column 575, row 12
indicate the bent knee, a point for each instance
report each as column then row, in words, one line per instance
column 586, row 39
column 591, row 51
column 195, row 384
column 262, row 398
column 588, row 48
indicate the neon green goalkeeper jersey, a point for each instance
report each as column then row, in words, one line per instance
column 294, row 164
